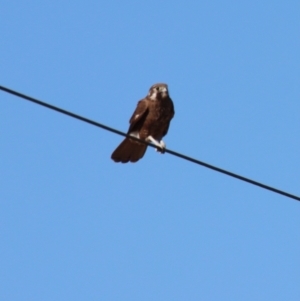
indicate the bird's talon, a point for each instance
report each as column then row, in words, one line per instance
column 160, row 150
column 161, row 146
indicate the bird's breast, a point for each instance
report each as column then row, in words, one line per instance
column 158, row 119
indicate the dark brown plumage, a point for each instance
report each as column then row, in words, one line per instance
column 150, row 122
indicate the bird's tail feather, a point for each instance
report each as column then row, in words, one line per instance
column 129, row 150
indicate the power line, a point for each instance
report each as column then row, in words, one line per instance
column 228, row 173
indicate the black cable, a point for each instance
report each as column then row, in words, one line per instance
column 228, row 173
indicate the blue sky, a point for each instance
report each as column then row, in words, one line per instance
column 77, row 226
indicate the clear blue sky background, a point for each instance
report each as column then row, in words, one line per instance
column 77, row 226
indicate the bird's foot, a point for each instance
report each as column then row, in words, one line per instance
column 161, row 146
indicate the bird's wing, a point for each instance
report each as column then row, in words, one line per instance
column 138, row 117
column 172, row 113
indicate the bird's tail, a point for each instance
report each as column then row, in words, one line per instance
column 129, row 150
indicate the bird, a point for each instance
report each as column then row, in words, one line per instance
column 149, row 122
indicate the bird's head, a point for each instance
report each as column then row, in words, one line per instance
column 158, row 91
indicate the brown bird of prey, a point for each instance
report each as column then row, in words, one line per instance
column 149, row 122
